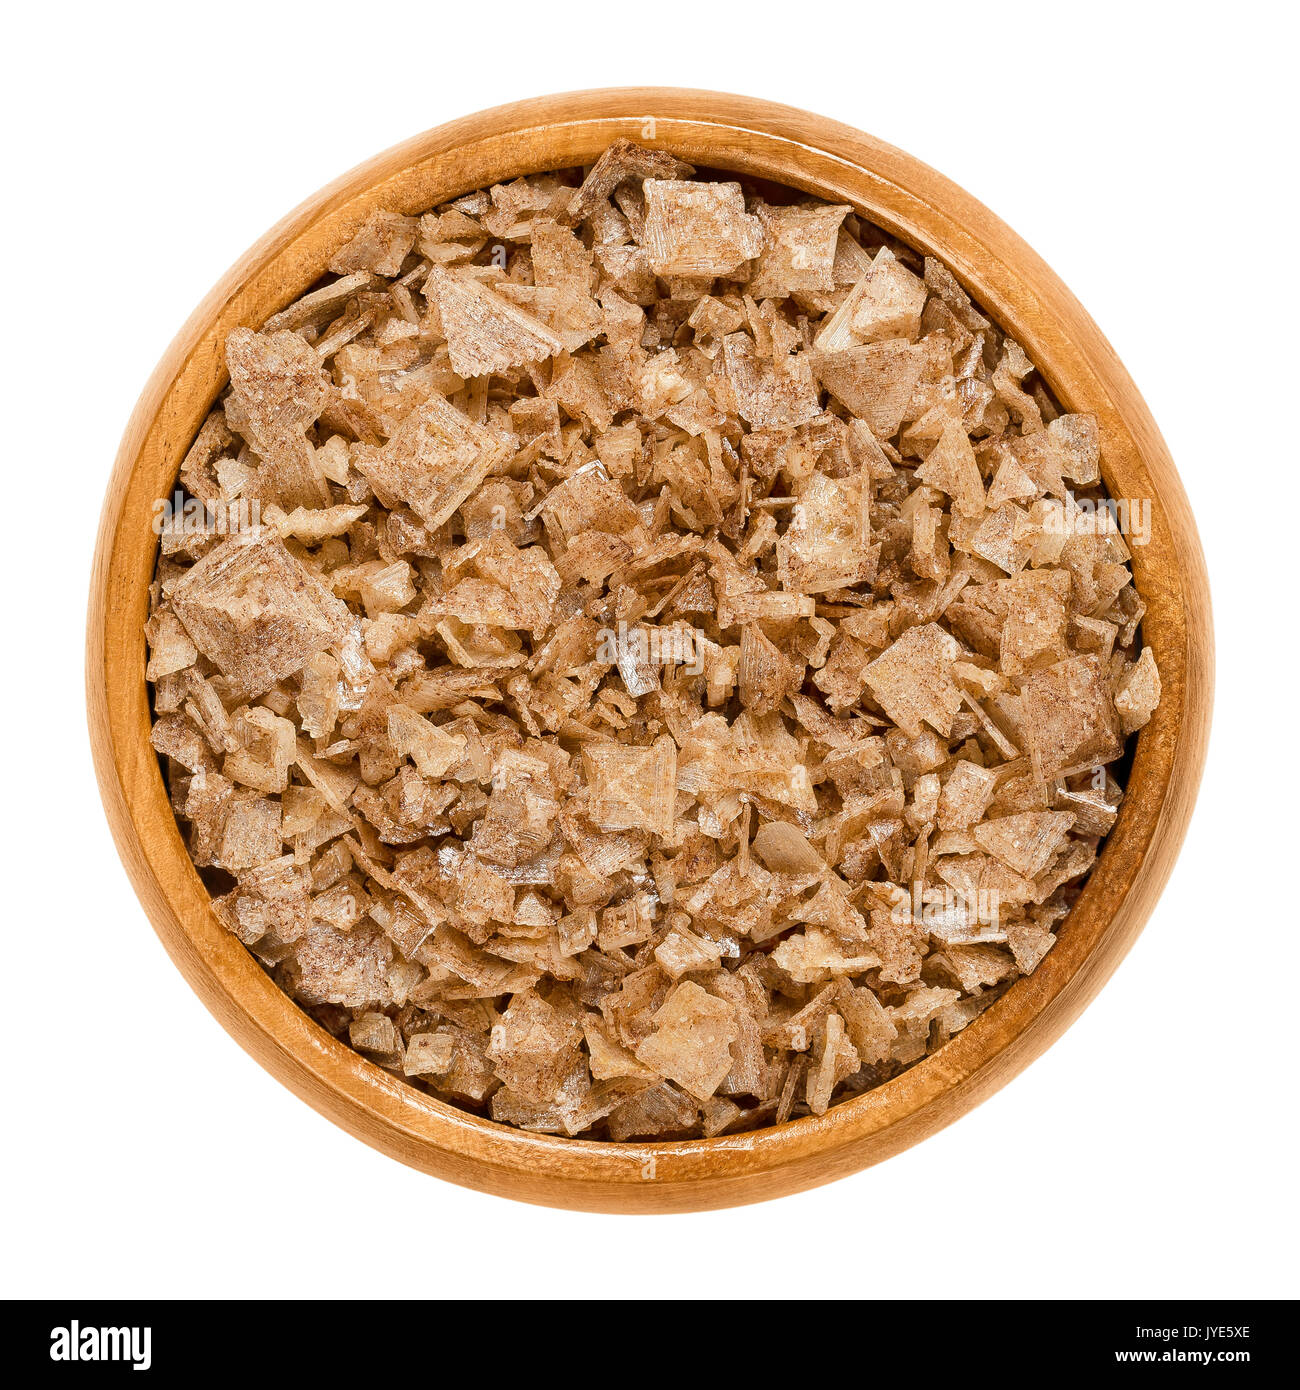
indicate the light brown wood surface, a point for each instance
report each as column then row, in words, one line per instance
column 1005, row 278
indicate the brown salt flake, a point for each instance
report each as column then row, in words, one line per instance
column 1020, row 620
column 1005, row 538
column 658, row 1112
column 844, row 676
column 1029, row 942
column 1040, row 456
column 711, row 320
column 765, row 675
column 929, row 557
column 681, row 952
column 630, row 1000
column 429, row 1054
column 455, row 952
column 769, row 395
column 698, row 229
column 606, row 1057
column 317, row 524
column 1027, row 842
column 347, row 968
column 1035, row 618
column 951, row 467
column 170, row 647
column 1138, row 693
column 867, row 1022
column 718, row 1114
column 976, row 967
column 470, row 1077
column 912, row 680
column 1075, row 860
column 1010, row 484
column 627, row 271
column 1095, row 635
column 563, row 265
column 1069, row 718
column 628, row 923
column 1094, row 807
column 983, row 886
column 430, row 748
column 830, row 907
column 376, row 1034
column 320, row 306
column 921, row 1005
column 336, row 784
column 388, row 635
column 885, row 303
column 1068, row 448
column 589, row 500
column 302, row 808
column 814, row 956
column 256, row 611
column 621, row 161
column 592, row 558
column 485, row 332
column 510, row 209
column 691, row 1044
column 834, row 1060
column 1078, row 439
column 746, row 993
column 534, row 1046
column 450, row 238
column 793, row 1078
column 899, row 942
column 851, row 261
column 875, row 381
column 265, row 749
column 385, row 589
column 198, row 469
column 965, row 795
column 632, row 788
column 765, row 606
column 827, row 544
column 252, row 835
column 763, row 758
column 381, row 244
column 576, row 931
column 278, row 390
column 796, row 1030
column 909, row 1048
column 435, row 460
column 341, row 904
column 941, row 282
column 798, row 250
column 515, row 589
column 270, row 906
column 276, row 382
column 516, row 823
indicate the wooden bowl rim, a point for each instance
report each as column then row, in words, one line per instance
column 1006, row 278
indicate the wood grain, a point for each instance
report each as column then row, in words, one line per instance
column 1008, row 280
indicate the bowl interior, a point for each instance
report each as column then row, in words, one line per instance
column 1009, row 282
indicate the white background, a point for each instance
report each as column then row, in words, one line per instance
column 1146, row 151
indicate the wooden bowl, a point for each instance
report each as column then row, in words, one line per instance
column 1006, row 279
